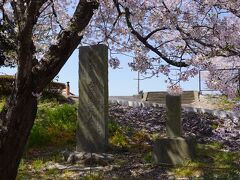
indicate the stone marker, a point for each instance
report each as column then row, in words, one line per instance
column 173, row 124
column 174, row 149
column 92, row 134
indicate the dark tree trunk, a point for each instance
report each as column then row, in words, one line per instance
column 19, row 114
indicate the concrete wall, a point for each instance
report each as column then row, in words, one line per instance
column 187, row 108
column 160, row 97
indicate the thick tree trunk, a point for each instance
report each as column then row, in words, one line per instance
column 19, row 117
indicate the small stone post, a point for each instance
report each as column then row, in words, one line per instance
column 92, row 134
column 173, row 123
column 173, row 149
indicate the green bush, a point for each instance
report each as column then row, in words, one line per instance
column 55, row 125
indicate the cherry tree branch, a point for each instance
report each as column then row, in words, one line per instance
column 142, row 39
column 148, row 45
column 56, row 16
column 155, row 31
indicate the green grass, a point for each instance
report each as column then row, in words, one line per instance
column 55, row 125
column 211, row 163
column 148, row 157
column 95, row 176
column 36, row 169
column 223, row 102
column 117, row 138
column 2, row 102
column 1, row 105
column 37, row 164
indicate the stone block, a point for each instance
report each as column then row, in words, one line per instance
column 173, row 151
column 92, row 133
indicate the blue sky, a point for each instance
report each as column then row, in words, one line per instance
column 122, row 82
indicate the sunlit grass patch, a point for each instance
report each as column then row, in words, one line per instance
column 222, row 101
column 124, row 137
column 211, row 162
column 2, row 102
column 94, row 176
column 118, row 139
column 1, row 105
column 37, row 164
column 117, row 136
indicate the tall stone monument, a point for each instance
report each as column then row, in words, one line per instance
column 92, row 134
column 173, row 149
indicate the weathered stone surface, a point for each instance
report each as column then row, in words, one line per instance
column 92, row 134
column 173, row 124
column 173, row 151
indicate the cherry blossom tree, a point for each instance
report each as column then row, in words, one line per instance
column 161, row 34
column 224, row 76
column 157, row 34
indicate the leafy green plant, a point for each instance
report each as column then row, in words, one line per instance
column 22, row 165
column 112, row 127
column 117, row 135
column 37, row 164
column 1, row 105
column 148, row 157
column 119, row 139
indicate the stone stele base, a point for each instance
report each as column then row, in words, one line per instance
column 173, row 151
